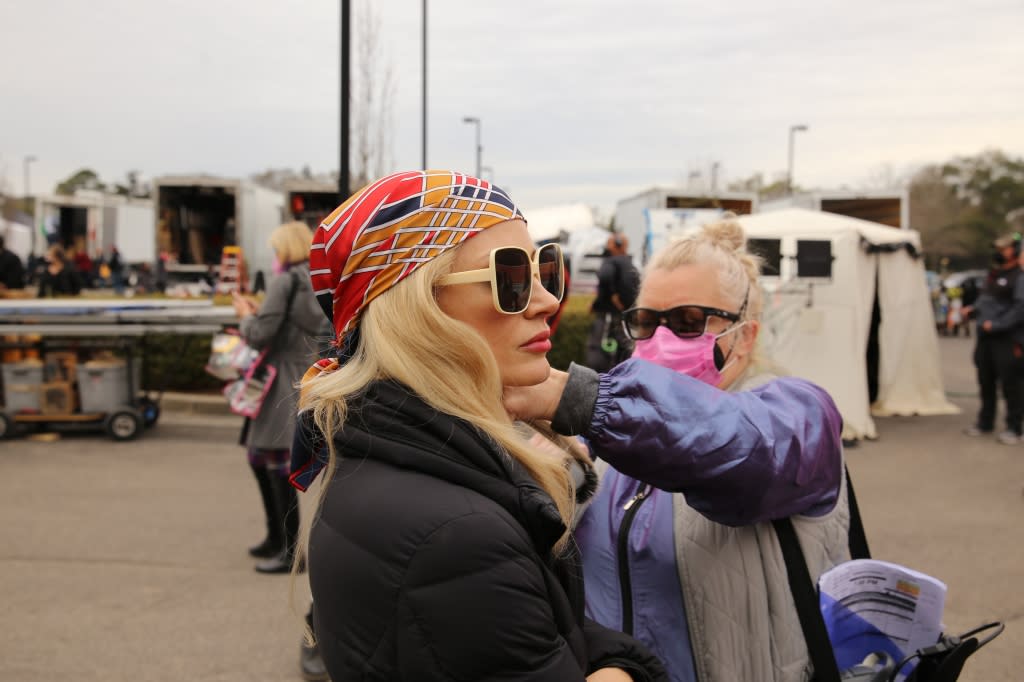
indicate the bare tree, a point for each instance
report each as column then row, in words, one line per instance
column 883, row 176
column 937, row 214
column 374, row 91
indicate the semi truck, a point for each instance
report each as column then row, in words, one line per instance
column 198, row 215
column 632, row 214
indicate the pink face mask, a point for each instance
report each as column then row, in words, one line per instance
column 699, row 357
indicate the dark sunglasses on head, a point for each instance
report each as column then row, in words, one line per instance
column 685, row 321
column 511, row 272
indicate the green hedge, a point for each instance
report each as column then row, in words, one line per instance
column 175, row 363
column 570, row 340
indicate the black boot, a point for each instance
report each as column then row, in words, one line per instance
column 274, row 542
column 310, row 661
column 311, row 664
column 287, row 503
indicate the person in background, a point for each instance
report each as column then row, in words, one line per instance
column 704, row 446
column 617, row 282
column 143, row 279
column 441, row 549
column 103, row 279
column 259, row 282
column 998, row 350
column 955, row 318
column 85, row 267
column 159, row 279
column 941, row 310
column 116, row 266
column 57, row 278
column 284, row 326
column 12, row 270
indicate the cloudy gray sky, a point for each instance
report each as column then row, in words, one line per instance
column 581, row 100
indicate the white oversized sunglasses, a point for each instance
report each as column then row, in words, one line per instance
column 511, row 272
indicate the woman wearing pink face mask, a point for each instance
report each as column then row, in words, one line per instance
column 704, row 447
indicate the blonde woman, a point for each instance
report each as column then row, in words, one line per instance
column 705, row 446
column 284, row 325
column 441, row 547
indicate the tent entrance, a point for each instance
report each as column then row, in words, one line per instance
column 873, row 354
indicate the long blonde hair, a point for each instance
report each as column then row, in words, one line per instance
column 405, row 336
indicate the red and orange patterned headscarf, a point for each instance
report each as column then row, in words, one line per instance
column 391, row 227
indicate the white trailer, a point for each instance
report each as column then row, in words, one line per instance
column 128, row 225
column 93, row 222
column 198, row 215
column 889, row 207
column 631, row 214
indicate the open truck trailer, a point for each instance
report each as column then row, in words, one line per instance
column 198, row 215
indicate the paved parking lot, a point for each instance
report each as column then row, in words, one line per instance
column 127, row 561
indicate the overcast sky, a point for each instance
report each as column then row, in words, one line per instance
column 581, row 100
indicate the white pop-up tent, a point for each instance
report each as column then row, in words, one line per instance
column 825, row 329
column 558, row 222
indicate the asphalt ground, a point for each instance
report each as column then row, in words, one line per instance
column 127, row 561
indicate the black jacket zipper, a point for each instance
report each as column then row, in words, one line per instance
column 622, row 544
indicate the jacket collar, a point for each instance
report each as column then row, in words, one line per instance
column 390, row 423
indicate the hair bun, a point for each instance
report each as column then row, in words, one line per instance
column 726, row 233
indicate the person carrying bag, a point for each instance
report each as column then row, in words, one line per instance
column 283, row 330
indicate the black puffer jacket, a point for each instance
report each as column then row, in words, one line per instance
column 431, row 560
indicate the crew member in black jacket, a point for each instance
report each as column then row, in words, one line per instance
column 441, row 549
column 999, row 353
column 617, row 285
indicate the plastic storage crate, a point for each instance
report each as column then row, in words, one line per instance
column 21, row 385
column 21, row 398
column 103, row 385
column 28, row 372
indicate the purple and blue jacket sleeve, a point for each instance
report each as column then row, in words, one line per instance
column 739, row 458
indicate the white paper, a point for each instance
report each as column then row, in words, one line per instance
column 866, row 598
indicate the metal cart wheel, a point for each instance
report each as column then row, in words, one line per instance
column 6, row 426
column 124, row 423
column 150, row 410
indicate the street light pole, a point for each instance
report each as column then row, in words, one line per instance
column 479, row 149
column 789, row 173
column 424, row 104
column 28, row 159
column 344, row 182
